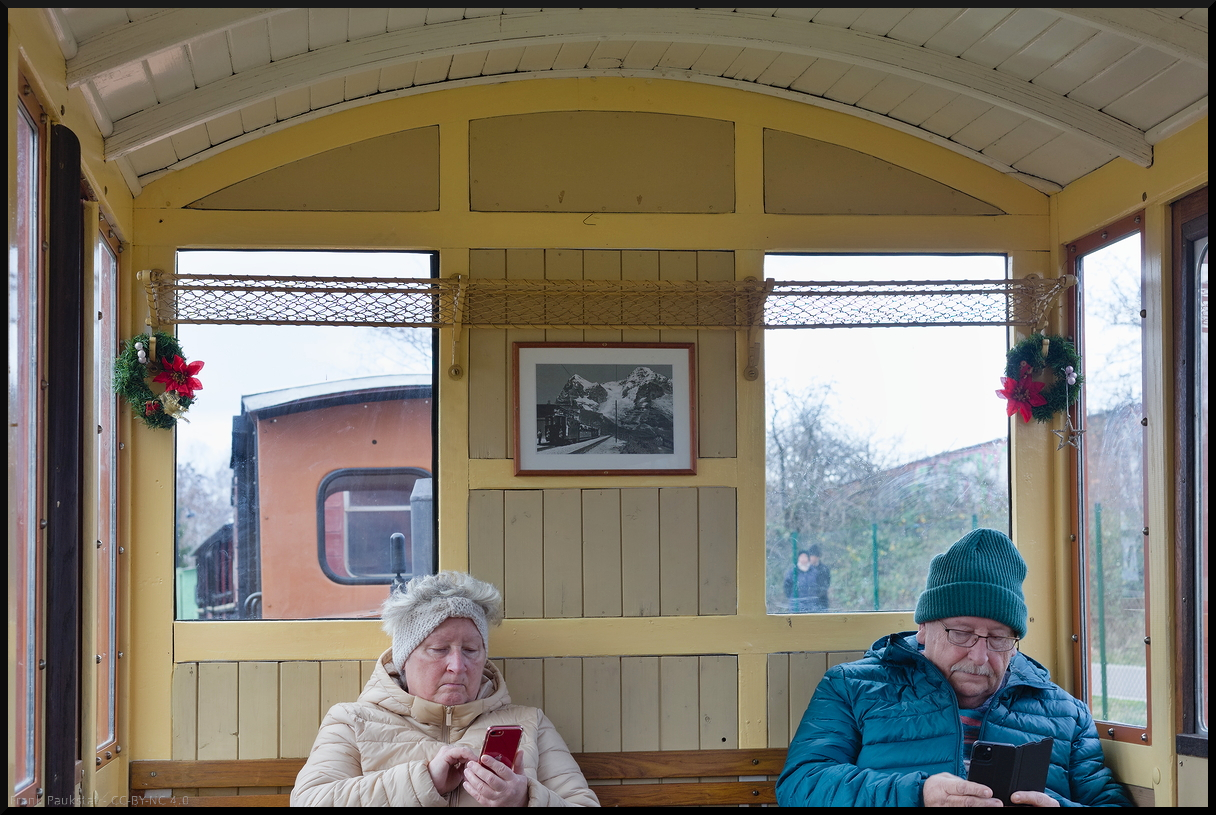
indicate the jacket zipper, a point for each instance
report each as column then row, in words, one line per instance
column 444, row 734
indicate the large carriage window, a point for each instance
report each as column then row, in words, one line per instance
column 282, row 408
column 374, row 525
column 1112, row 518
column 885, row 445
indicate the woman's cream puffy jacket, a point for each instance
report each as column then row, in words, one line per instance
column 374, row 752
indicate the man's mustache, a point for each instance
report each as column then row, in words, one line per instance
column 968, row 668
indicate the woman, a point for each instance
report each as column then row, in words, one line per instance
column 414, row 736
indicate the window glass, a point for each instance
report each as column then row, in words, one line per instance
column 360, row 512
column 885, row 445
column 24, row 453
column 1113, row 517
column 281, row 408
column 1199, row 295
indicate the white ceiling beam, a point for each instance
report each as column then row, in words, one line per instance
column 1153, row 27
column 151, row 35
column 678, row 25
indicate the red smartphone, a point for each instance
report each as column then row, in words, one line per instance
column 502, row 741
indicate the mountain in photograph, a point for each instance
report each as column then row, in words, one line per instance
column 631, row 415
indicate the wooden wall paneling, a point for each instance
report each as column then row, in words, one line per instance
column 486, row 551
column 601, row 540
column 257, row 714
column 678, row 569
column 806, row 669
column 563, row 264
column 339, row 682
column 523, row 553
column 640, row 553
column 522, row 264
column 563, row 704
column 640, row 703
column 217, row 713
column 300, row 710
column 489, row 387
column 838, row 657
column 641, row 264
column 677, row 266
column 563, row 553
column 602, row 704
column 717, row 557
column 719, row 703
column 777, row 685
column 602, row 264
column 525, row 681
column 717, row 412
column 184, row 710
column 679, row 706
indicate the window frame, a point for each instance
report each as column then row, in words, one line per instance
column 1074, row 251
column 1188, row 223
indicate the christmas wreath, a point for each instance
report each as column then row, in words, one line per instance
column 1025, row 390
column 158, row 356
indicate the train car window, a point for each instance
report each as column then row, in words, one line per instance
column 885, row 445
column 360, row 511
column 27, row 543
column 282, row 410
column 1190, row 273
column 1111, row 516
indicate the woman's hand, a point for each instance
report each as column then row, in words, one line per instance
column 494, row 784
column 445, row 768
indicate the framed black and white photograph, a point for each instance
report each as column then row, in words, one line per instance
column 605, row 409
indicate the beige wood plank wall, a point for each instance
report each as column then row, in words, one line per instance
column 663, row 551
column 489, row 369
column 599, row 704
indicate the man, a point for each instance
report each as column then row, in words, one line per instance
column 896, row 727
column 806, row 584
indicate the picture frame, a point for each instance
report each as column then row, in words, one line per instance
column 605, row 408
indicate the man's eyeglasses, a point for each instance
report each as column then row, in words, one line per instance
column 966, row 639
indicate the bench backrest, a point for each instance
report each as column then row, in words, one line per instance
column 218, row 781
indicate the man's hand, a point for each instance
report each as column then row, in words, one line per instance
column 1033, row 799
column 946, row 790
column 494, row 784
column 445, row 767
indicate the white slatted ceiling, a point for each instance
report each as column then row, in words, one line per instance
column 1101, row 69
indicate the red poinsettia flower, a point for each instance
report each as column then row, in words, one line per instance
column 179, row 376
column 1023, row 395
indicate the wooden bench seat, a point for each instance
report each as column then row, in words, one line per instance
column 619, row 779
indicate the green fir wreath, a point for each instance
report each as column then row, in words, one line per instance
column 134, row 366
column 1026, row 361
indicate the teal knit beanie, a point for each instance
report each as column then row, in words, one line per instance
column 979, row 576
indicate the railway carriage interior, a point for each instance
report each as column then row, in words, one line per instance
column 355, row 218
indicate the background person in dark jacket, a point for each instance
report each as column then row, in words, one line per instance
column 896, row 727
column 806, row 583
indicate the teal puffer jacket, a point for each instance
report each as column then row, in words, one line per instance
column 875, row 729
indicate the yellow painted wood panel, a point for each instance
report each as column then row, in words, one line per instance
column 777, row 686
column 258, row 710
column 640, row 553
column 522, row 264
column 717, row 550
column 564, row 264
column 640, row 703
column 564, row 698
column 489, row 387
column 525, row 681
column 719, row 702
column 184, row 707
column 679, row 680
column 300, row 710
column 641, row 264
column 602, row 264
column 602, row 721
column 366, row 668
column 717, row 411
column 486, row 536
column 806, row 670
column 339, row 682
column 218, row 703
column 838, row 657
column 523, row 545
column 676, row 266
column 601, row 540
column 563, row 547
column 678, row 551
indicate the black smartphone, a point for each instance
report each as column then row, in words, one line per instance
column 502, row 741
column 1009, row 768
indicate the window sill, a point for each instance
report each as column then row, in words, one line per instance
column 1189, row 744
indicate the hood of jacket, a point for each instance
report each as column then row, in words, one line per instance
column 384, row 690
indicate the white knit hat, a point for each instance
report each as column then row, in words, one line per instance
column 411, row 615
